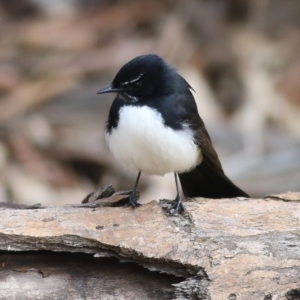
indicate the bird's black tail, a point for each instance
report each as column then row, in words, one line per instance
column 204, row 181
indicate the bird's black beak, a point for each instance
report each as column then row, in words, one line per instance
column 108, row 89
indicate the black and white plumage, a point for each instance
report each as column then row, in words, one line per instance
column 154, row 127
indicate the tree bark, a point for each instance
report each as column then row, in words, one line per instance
column 218, row 249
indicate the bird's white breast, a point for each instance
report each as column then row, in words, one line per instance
column 142, row 142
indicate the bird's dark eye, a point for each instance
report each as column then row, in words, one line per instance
column 136, row 84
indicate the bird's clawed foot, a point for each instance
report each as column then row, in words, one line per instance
column 134, row 196
column 177, row 206
column 132, row 201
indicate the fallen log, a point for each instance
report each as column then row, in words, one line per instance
column 217, row 249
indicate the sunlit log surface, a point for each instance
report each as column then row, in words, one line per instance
column 218, row 249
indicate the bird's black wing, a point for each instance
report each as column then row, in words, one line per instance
column 203, row 140
column 208, row 178
column 186, row 108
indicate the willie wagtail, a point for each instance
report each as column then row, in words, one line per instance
column 154, row 127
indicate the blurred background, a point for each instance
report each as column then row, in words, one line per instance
column 242, row 57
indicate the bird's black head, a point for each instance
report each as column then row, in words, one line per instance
column 144, row 76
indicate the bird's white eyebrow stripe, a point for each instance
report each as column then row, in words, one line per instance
column 134, row 80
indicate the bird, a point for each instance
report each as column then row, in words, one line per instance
column 154, row 127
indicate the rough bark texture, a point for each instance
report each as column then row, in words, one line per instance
column 225, row 249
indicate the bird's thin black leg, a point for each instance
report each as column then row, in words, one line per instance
column 177, row 205
column 133, row 197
